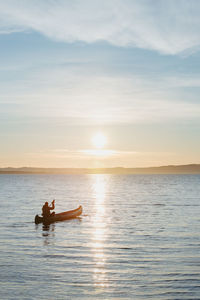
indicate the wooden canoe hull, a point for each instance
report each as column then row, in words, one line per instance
column 67, row 215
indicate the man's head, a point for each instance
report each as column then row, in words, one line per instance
column 46, row 203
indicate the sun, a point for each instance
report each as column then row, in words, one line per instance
column 99, row 140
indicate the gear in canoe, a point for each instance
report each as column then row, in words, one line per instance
column 48, row 218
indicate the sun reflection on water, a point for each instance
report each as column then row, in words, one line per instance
column 98, row 238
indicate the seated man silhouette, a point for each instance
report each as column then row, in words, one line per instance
column 46, row 210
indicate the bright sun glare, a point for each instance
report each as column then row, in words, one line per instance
column 99, row 140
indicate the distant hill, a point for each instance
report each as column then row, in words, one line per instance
column 171, row 169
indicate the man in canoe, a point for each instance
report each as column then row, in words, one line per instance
column 46, row 209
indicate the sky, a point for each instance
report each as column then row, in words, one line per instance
column 126, row 71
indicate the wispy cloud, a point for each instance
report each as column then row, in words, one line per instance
column 89, row 98
column 169, row 27
column 100, row 158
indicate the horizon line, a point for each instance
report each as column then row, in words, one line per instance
column 117, row 167
column 167, row 169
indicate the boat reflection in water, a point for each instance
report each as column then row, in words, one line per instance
column 47, row 232
column 99, row 231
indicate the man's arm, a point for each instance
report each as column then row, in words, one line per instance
column 53, row 205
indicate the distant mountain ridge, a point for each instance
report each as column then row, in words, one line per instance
column 170, row 169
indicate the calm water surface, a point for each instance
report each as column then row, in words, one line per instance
column 138, row 237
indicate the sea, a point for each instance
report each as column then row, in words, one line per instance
column 138, row 237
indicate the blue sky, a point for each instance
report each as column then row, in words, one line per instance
column 70, row 69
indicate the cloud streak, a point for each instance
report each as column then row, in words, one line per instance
column 106, row 158
column 169, row 27
column 99, row 99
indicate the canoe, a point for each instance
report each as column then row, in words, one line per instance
column 67, row 215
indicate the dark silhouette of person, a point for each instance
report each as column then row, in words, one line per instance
column 46, row 209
